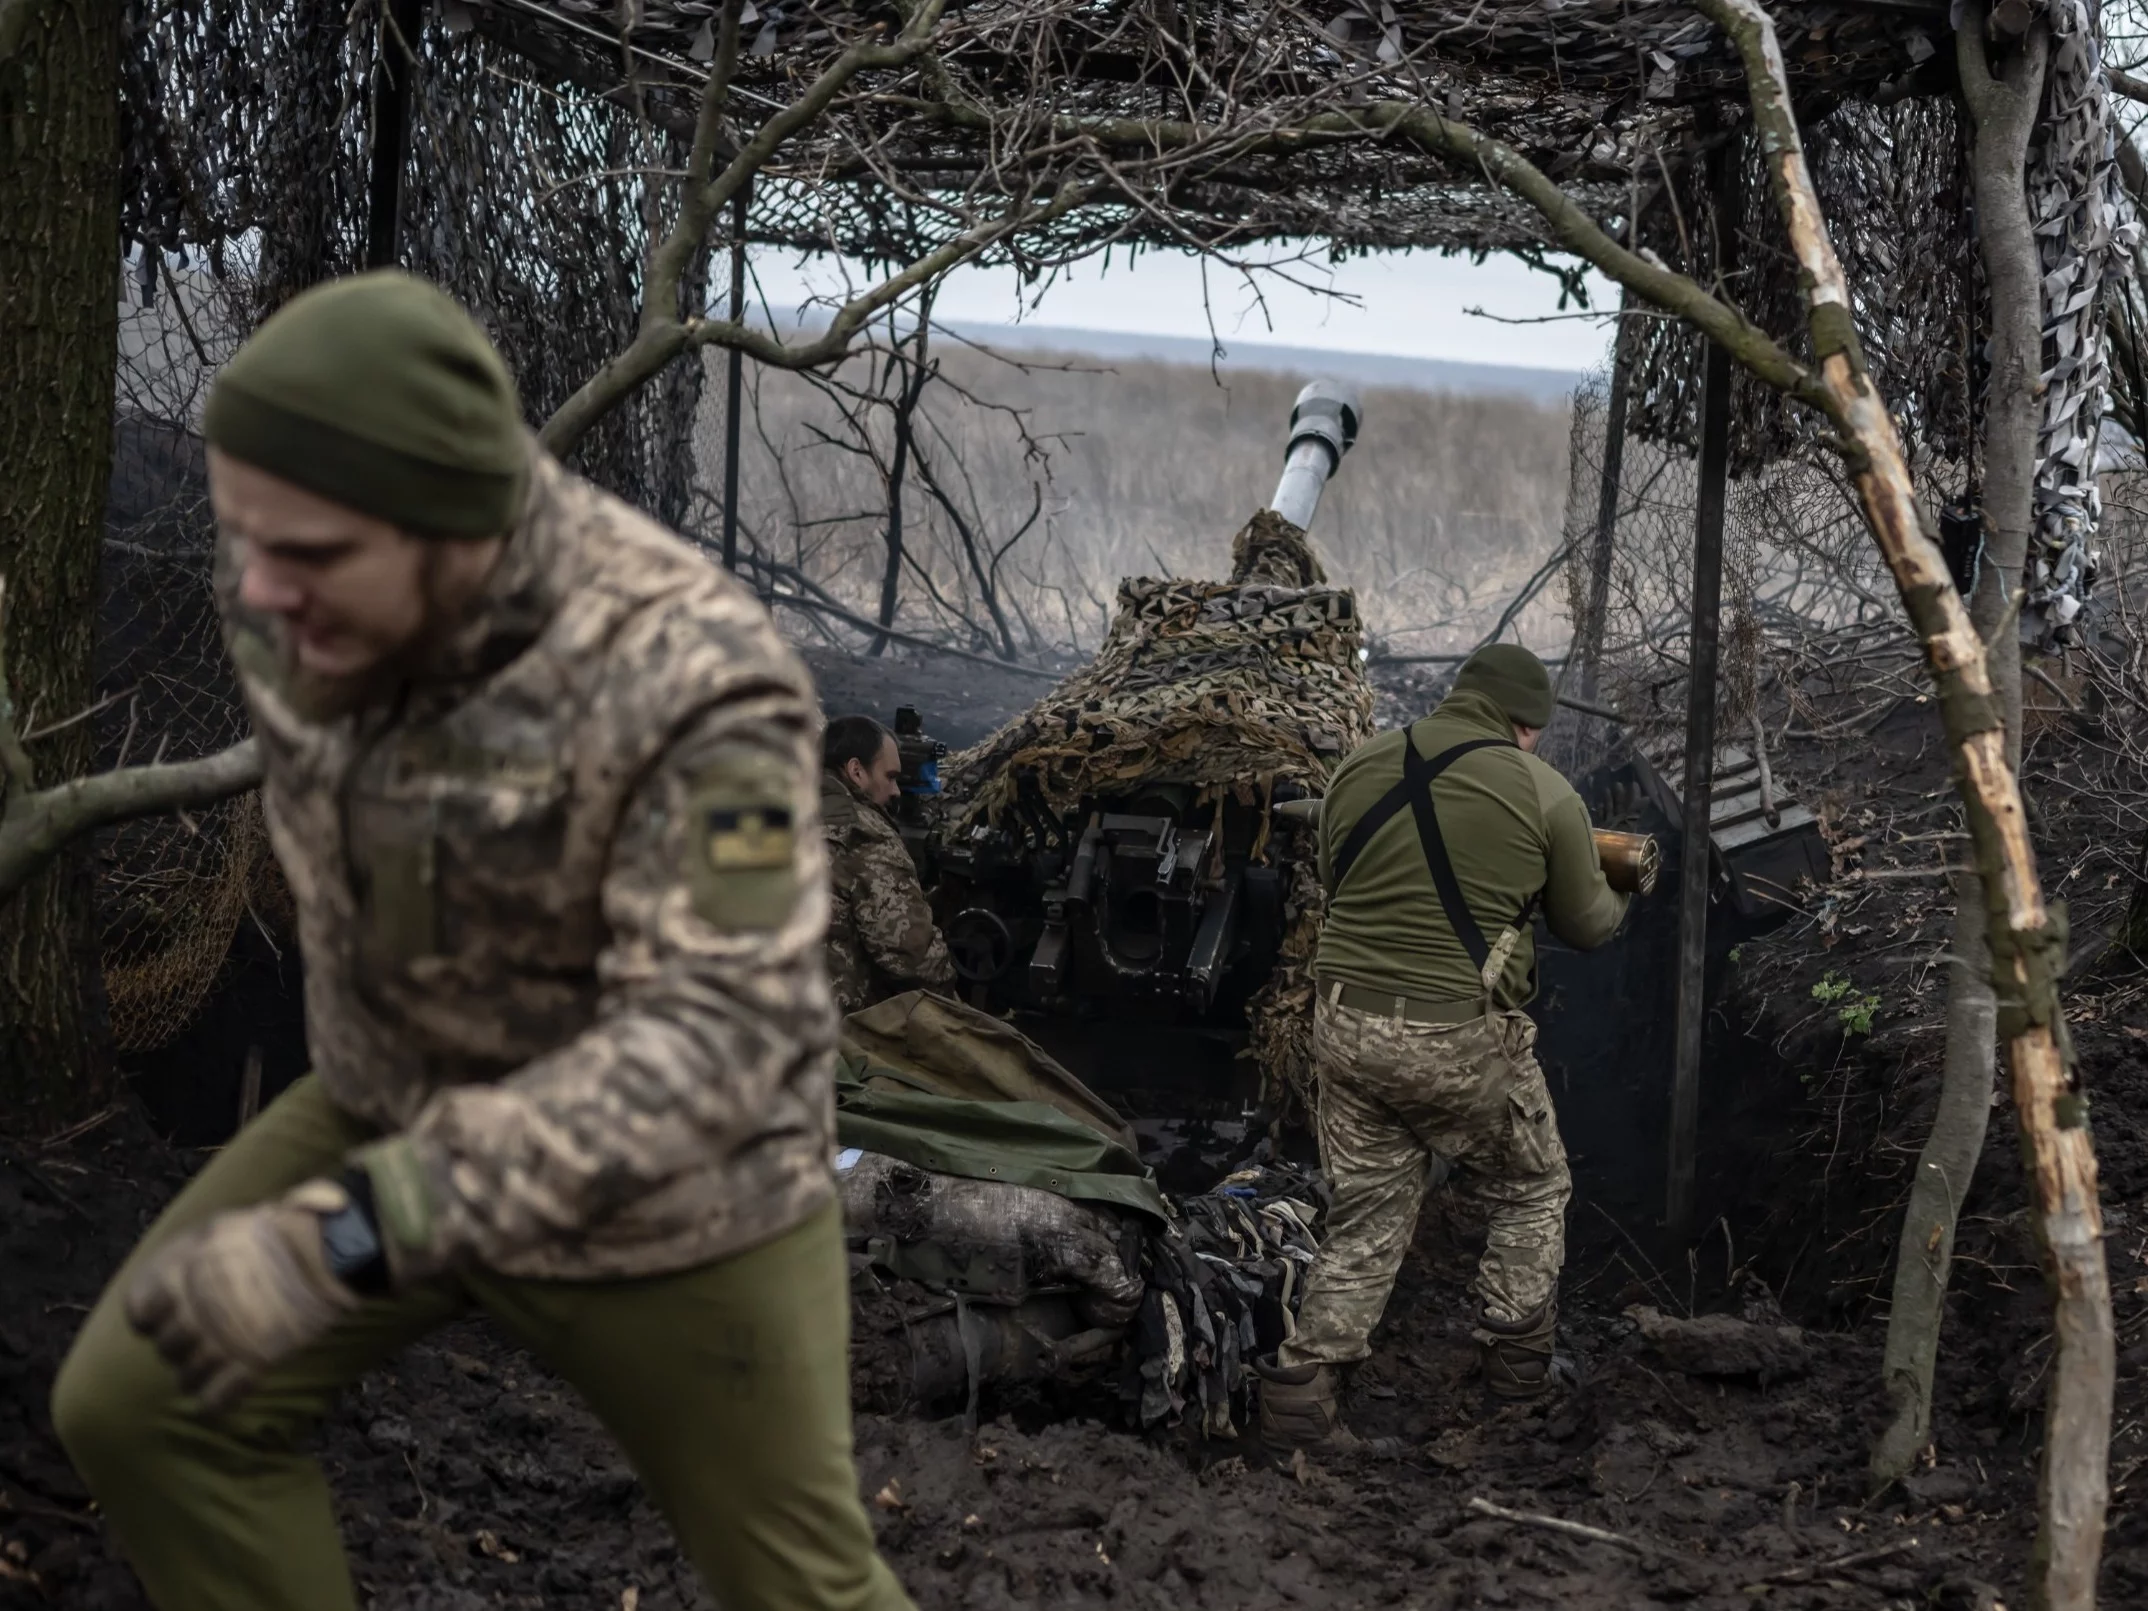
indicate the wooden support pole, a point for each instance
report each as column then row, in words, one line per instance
column 1694, row 865
column 1614, row 469
column 735, row 384
column 395, row 71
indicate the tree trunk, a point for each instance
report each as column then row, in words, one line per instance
column 915, row 373
column 891, row 575
column 59, row 299
column 2002, row 101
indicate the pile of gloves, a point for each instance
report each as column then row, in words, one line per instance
column 1222, row 1288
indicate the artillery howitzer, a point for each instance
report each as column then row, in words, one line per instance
column 1115, row 851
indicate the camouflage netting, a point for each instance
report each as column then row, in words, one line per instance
column 173, row 887
column 246, row 152
column 1236, row 685
column 1229, row 688
column 1894, row 183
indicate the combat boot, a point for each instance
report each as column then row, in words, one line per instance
column 1301, row 1408
column 1516, row 1356
column 1300, row 1405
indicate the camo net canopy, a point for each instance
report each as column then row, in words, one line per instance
column 1582, row 87
column 1236, row 685
column 547, row 136
column 1630, row 108
column 545, row 142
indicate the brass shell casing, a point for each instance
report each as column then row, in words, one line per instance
column 1630, row 860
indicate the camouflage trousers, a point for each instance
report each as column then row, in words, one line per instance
column 1392, row 1094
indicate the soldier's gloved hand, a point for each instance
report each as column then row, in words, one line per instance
column 229, row 1300
column 1625, row 806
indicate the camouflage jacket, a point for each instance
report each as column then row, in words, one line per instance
column 561, row 903
column 881, row 937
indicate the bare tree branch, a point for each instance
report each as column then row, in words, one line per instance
column 35, row 827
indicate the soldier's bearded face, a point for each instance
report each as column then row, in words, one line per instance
column 881, row 781
column 355, row 593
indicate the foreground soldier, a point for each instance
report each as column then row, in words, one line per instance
column 1429, row 838
column 881, row 937
column 541, row 779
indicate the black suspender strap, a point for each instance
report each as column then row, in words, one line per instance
column 1415, row 792
column 1417, row 776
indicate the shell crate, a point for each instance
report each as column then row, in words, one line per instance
column 1766, row 842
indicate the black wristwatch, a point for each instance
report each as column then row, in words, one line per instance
column 350, row 1238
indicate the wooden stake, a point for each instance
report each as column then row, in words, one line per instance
column 1696, row 864
column 1607, row 494
column 395, row 76
column 734, row 385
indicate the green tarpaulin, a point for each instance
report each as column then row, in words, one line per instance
column 952, row 1049
column 1018, row 1143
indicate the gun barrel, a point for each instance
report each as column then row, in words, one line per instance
column 1323, row 424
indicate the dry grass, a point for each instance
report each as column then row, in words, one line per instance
column 1446, row 506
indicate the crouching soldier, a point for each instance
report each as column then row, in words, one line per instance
column 1436, row 844
column 881, row 937
column 542, row 780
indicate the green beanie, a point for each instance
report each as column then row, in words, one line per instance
column 1513, row 677
column 379, row 393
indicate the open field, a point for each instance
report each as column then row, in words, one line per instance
column 1448, row 503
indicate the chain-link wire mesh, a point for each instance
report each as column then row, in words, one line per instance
column 173, row 888
column 247, row 151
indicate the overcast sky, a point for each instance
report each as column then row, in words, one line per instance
column 1413, row 304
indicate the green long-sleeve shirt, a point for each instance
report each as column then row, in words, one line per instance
column 1513, row 827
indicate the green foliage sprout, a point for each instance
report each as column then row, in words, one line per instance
column 1854, row 1008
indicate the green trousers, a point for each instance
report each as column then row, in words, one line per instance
column 727, row 1386
column 1392, row 1093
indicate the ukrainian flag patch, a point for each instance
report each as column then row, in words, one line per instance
column 749, row 838
column 742, row 842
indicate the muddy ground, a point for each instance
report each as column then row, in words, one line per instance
column 468, row 1479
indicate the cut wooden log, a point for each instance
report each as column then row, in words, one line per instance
column 1723, row 1345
